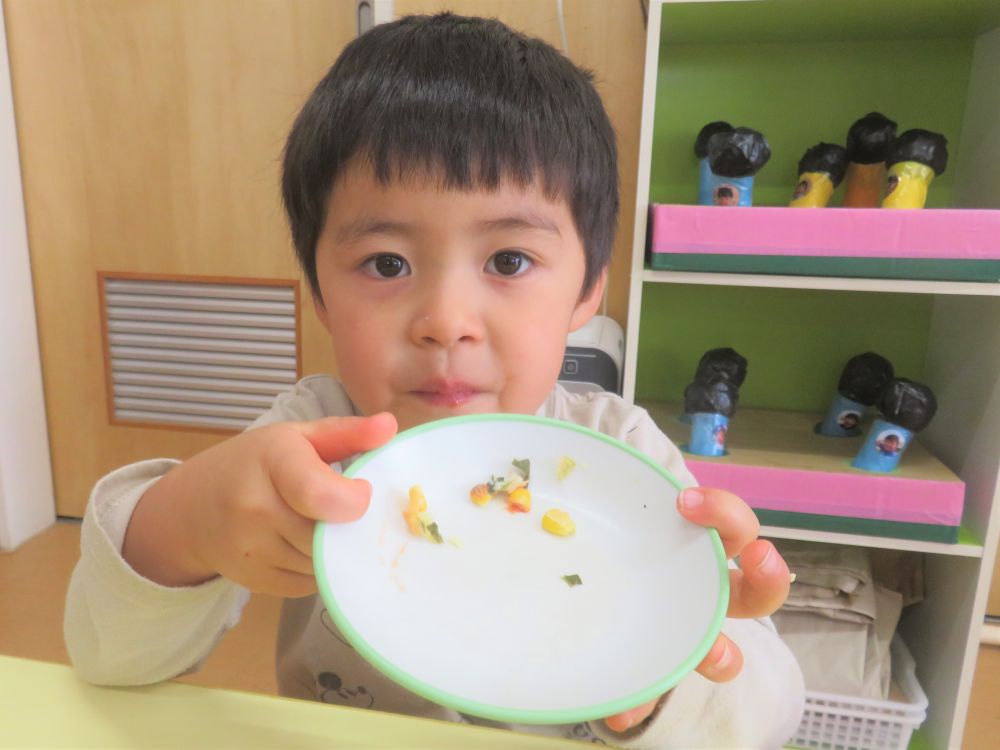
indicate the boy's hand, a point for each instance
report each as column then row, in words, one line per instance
column 246, row 509
column 756, row 589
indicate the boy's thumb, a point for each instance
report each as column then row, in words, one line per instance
column 337, row 438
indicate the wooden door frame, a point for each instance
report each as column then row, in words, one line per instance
column 27, row 500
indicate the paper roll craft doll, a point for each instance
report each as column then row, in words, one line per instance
column 734, row 157
column 868, row 143
column 723, row 363
column 821, row 170
column 906, row 408
column 701, row 152
column 914, row 160
column 862, row 381
column 710, row 406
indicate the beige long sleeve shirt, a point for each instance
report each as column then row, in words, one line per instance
column 122, row 629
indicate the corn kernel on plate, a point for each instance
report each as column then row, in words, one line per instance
column 523, row 570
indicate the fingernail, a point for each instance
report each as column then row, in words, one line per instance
column 724, row 660
column 691, row 499
column 771, row 562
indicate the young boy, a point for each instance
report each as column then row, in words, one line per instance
column 452, row 192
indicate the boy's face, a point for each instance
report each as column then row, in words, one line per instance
column 443, row 302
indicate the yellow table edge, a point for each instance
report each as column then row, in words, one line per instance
column 43, row 704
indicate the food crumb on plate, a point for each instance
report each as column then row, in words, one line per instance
column 558, row 522
column 566, row 465
column 418, row 519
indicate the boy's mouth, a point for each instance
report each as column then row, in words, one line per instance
column 446, row 393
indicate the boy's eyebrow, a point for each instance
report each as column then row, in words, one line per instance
column 367, row 226
column 522, row 220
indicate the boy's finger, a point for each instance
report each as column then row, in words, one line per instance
column 287, row 584
column 627, row 719
column 292, row 559
column 722, row 662
column 761, row 584
column 314, row 490
column 725, row 512
column 298, row 531
column 336, row 438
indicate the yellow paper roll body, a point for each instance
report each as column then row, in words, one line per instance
column 907, row 185
column 813, row 191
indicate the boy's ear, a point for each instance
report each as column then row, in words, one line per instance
column 589, row 303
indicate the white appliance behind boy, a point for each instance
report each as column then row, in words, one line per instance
column 594, row 357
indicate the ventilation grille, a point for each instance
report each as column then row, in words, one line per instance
column 198, row 354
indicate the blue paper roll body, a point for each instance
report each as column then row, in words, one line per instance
column 708, row 434
column 714, row 190
column 883, row 447
column 704, row 183
column 843, row 418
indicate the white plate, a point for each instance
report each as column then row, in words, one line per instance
column 484, row 623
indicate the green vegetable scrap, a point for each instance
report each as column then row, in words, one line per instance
column 523, row 465
column 433, row 532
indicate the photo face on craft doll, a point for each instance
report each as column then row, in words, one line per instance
column 890, row 443
column 726, row 195
column 848, row 420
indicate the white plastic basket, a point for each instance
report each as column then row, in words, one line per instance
column 844, row 722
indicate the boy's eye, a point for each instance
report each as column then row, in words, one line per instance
column 386, row 266
column 508, row 263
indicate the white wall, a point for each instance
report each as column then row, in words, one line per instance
column 976, row 182
column 26, row 496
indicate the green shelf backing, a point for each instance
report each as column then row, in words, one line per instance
column 842, row 20
column 802, row 72
column 796, row 341
column 798, row 94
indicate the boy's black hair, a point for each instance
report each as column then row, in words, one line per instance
column 468, row 100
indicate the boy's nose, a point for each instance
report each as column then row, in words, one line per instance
column 448, row 316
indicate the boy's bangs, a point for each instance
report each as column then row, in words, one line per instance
column 461, row 151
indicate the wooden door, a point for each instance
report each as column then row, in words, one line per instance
column 150, row 135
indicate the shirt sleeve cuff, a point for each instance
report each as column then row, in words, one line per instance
column 109, row 511
column 760, row 708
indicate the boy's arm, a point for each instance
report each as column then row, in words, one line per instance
column 155, row 610
column 121, row 628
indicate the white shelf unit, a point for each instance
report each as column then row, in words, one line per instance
column 962, row 363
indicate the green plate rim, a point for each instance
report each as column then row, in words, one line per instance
column 501, row 713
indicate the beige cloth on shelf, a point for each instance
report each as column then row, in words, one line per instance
column 837, row 620
column 899, row 570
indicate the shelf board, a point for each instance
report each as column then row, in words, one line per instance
column 829, row 283
column 802, row 485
